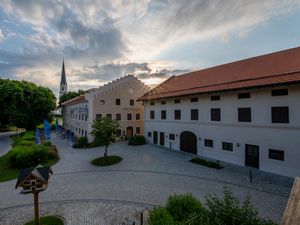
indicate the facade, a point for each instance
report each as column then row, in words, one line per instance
column 63, row 81
column 246, row 113
column 116, row 99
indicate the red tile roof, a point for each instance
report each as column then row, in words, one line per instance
column 75, row 100
column 266, row 70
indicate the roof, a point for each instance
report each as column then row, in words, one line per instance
column 281, row 67
column 75, row 100
column 39, row 171
column 63, row 74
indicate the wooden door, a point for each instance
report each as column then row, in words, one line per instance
column 252, row 156
column 155, row 137
column 162, row 138
column 188, row 142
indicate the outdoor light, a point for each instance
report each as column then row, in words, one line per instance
column 238, row 144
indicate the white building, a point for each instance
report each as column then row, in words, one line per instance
column 116, row 100
column 246, row 113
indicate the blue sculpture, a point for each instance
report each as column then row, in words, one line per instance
column 47, row 129
column 37, row 136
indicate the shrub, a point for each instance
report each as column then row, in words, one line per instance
column 160, row 216
column 182, row 206
column 47, row 143
column 83, row 142
column 229, row 210
column 52, row 152
column 29, row 135
column 25, row 142
column 206, row 163
column 137, row 140
column 27, row 156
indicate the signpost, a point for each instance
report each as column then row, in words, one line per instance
column 34, row 181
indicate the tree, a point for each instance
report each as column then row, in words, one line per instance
column 24, row 104
column 69, row 95
column 105, row 132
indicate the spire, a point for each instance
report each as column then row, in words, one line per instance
column 63, row 74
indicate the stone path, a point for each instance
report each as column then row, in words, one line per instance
column 146, row 177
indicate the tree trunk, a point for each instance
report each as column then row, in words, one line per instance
column 105, row 153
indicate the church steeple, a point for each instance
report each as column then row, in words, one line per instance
column 63, row 81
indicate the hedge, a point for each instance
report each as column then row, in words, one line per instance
column 137, row 140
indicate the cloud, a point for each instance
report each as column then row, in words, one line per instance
column 1, row 36
column 103, row 40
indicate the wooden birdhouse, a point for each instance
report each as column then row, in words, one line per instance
column 34, row 180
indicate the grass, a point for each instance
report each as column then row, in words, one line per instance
column 111, row 160
column 7, row 172
column 48, row 220
column 206, row 163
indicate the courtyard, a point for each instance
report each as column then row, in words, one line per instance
column 85, row 194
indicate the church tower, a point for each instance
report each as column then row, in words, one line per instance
column 63, row 81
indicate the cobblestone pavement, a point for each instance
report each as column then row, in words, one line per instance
column 146, row 177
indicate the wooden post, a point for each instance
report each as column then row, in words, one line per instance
column 36, row 208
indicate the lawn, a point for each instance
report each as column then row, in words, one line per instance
column 22, row 145
column 48, row 220
column 111, row 160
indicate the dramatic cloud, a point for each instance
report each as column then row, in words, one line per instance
column 103, row 40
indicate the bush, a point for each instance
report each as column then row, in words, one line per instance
column 83, row 142
column 160, row 216
column 181, row 206
column 47, row 143
column 206, row 163
column 27, row 156
column 29, row 135
column 25, row 142
column 229, row 210
column 137, row 140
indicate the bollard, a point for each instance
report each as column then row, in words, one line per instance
column 142, row 218
column 250, row 176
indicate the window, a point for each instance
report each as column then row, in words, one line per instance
column 280, row 114
column 244, row 114
column 194, row 114
column 118, row 116
column 163, row 102
column 195, row 99
column 138, row 130
column 176, row 101
column 208, row 143
column 163, row 114
column 129, row 116
column 118, row 101
column 86, row 117
column 215, row 114
column 276, row 154
column 79, row 116
column 227, row 146
column 244, row 95
column 152, row 114
column 149, row 134
column 98, row 116
column 215, row 98
column 85, row 133
column 172, row 136
column 137, row 116
column 151, row 103
column 177, row 114
column 280, row 92
column 131, row 102
column 108, row 115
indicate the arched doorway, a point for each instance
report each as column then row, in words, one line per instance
column 188, row 142
column 129, row 132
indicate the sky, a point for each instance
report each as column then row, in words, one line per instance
column 152, row 39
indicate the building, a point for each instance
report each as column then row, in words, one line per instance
column 245, row 112
column 116, row 100
column 63, row 81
